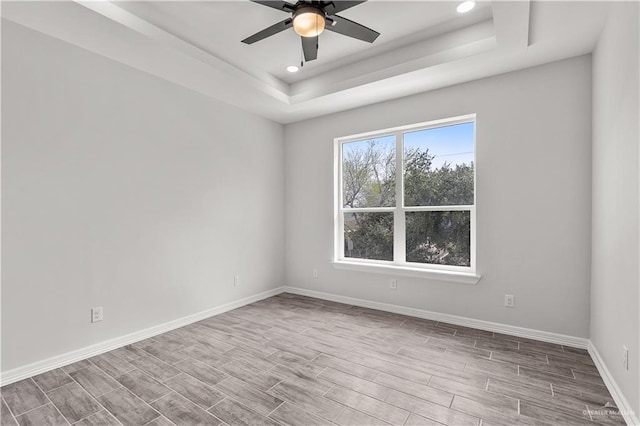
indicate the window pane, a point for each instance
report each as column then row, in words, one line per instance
column 368, row 235
column 439, row 237
column 438, row 166
column 368, row 172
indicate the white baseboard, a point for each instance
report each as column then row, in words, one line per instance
column 58, row 361
column 621, row 402
column 545, row 336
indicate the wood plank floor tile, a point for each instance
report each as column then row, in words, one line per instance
column 452, row 342
column 493, row 344
column 583, row 395
column 288, row 359
column 345, row 366
column 490, row 367
column 542, row 347
column 548, row 415
column 111, row 364
column 491, row 413
column 416, row 420
column 143, row 386
column 302, row 377
column 322, row 348
column 564, row 381
column 308, row 401
column 468, row 331
column 374, row 407
column 234, row 413
column 94, row 380
column 129, row 352
column 415, row 389
column 431, row 410
column 157, row 350
column 172, row 341
column 503, row 403
column 574, row 364
column 515, row 356
column 366, row 387
column 302, row 351
column 84, row 363
column 518, row 390
column 181, row 411
column 568, row 404
column 101, row 418
column 202, row 354
column 442, row 359
column 160, row 421
column 6, row 418
column 194, row 390
column 402, row 371
column 254, row 399
column 290, row 415
column 46, row 415
column 572, row 357
column 127, row 408
column 351, row 417
column 419, row 365
column 23, row 396
column 261, row 381
column 553, row 369
column 259, row 362
column 154, row 367
column 201, row 371
column 52, row 379
column 73, row 402
column 588, row 377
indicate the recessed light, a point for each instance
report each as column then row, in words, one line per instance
column 292, row 68
column 466, row 6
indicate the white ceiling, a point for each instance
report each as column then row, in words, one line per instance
column 217, row 27
column 423, row 45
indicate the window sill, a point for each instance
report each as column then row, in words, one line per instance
column 406, row 271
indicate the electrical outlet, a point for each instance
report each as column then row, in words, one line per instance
column 625, row 357
column 96, row 314
column 509, row 300
column 393, row 284
column 316, row 274
column 236, row 280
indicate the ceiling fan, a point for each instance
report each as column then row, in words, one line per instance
column 309, row 19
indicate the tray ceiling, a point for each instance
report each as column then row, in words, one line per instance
column 423, row 45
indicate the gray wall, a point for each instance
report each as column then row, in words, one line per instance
column 124, row 191
column 615, row 278
column 533, row 199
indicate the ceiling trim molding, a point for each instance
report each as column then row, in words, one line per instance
column 267, row 84
column 454, row 45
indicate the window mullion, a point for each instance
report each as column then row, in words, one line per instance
column 399, row 245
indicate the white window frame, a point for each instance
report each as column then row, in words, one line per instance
column 399, row 266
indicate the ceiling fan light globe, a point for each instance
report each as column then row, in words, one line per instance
column 308, row 22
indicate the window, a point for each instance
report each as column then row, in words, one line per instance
column 405, row 198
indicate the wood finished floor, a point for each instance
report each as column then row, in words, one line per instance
column 294, row 360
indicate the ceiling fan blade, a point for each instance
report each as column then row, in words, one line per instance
column 279, row 5
column 268, row 32
column 338, row 6
column 310, row 48
column 349, row 28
